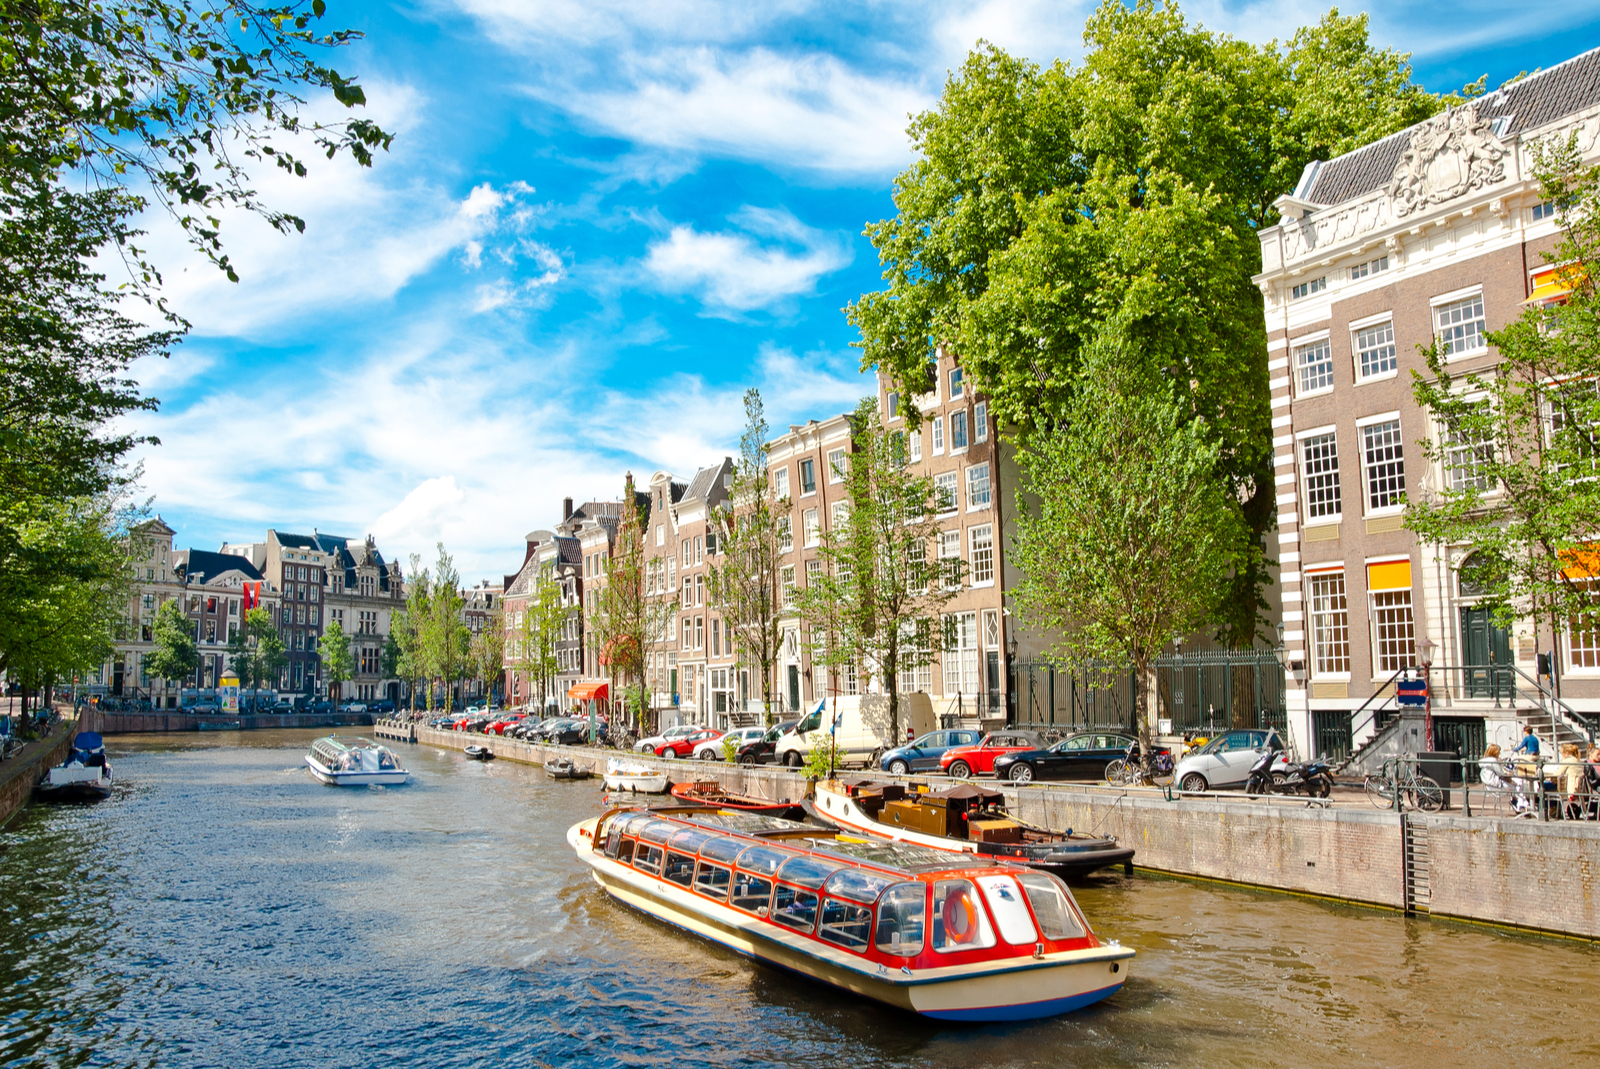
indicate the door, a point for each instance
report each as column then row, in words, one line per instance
column 794, row 687
column 924, row 753
column 1487, row 654
column 1463, row 736
column 1071, row 759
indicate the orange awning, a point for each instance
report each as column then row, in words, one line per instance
column 584, row 691
column 1389, row 575
column 1555, row 284
column 1581, row 563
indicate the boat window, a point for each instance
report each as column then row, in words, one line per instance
column 794, row 907
column 689, row 841
column 858, row 885
column 613, row 840
column 751, row 892
column 648, row 859
column 625, row 851
column 808, row 871
column 846, row 923
column 712, row 881
column 1051, row 906
column 900, row 919
column 680, row 869
column 763, row 859
column 720, row 849
column 1010, row 914
column 959, row 920
column 657, row 831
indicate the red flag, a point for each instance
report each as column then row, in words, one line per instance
column 251, row 592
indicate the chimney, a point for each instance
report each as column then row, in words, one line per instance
column 566, row 509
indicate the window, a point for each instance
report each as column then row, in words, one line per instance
column 1330, row 625
column 955, row 383
column 836, row 467
column 811, row 527
column 894, row 405
column 1583, row 632
column 961, row 653
column 1306, row 289
column 1386, row 467
column 846, row 923
column 916, row 663
column 958, row 431
column 1392, row 630
column 699, row 632
column 982, row 539
column 813, row 572
column 808, row 477
column 1314, row 362
column 700, row 590
column 978, row 486
column 1049, row 900
column 794, row 907
column 1460, row 325
column 980, row 421
column 1544, row 210
column 780, row 481
column 950, row 559
column 1466, row 457
column 1375, row 353
column 788, row 586
column 1320, row 462
column 688, row 592
column 938, row 435
column 946, row 492
column 914, row 442
column 1371, row 267
column 785, row 535
column 699, row 548
column 901, row 913
column 712, row 881
column 688, row 633
column 960, row 920
column 661, row 534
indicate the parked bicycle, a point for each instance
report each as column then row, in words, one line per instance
column 1133, row 770
column 1415, row 790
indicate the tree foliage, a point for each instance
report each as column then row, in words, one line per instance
column 544, row 617
column 174, row 654
column 487, row 652
column 337, row 663
column 630, row 617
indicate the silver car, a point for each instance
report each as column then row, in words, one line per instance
column 1225, row 761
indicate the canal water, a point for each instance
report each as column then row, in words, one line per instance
column 224, row 909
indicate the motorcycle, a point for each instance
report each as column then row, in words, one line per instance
column 1313, row 778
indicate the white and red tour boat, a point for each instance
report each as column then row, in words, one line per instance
column 948, row 936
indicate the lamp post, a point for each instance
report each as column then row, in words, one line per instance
column 1425, row 655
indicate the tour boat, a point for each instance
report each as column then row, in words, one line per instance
column 964, row 818
column 565, row 768
column 950, row 937
column 710, row 793
column 632, row 776
column 84, row 774
column 343, row 762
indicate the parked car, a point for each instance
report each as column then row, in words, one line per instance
column 1081, row 756
column 711, row 749
column 1225, row 761
column 860, row 727
column 352, row 707
column 652, row 744
column 532, row 731
column 565, row 732
column 501, row 724
column 383, row 707
column 763, row 751
column 683, row 747
column 922, row 754
column 964, row 761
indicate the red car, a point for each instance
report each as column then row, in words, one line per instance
column 964, row 761
column 498, row 727
column 684, row 745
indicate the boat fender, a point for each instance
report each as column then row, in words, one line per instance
column 961, row 917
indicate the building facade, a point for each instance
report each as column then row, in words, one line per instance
column 363, row 592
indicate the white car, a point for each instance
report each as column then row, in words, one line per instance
column 1225, row 761
column 652, row 744
column 711, row 749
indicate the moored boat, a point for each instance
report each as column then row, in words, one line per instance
column 565, row 768
column 965, row 818
column 85, row 774
column 948, row 936
column 710, row 793
column 355, row 762
column 633, row 776
column 479, row 753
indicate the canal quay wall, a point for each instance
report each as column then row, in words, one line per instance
column 20, row 774
column 140, row 723
column 1517, row 873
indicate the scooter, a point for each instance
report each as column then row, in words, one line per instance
column 1313, row 778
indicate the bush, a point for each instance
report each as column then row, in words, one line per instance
column 730, row 749
column 825, row 755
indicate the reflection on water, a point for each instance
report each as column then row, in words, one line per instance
column 223, row 908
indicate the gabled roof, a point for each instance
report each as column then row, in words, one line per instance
column 1542, row 97
column 204, row 566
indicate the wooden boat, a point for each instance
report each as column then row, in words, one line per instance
column 565, row 768
column 633, row 776
column 966, row 818
column 710, row 793
column 479, row 753
column 947, row 936
column 355, row 762
column 84, row 775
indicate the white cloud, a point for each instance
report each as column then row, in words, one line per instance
column 733, row 272
column 423, row 514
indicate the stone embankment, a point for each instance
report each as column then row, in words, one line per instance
column 138, row 723
column 20, row 773
column 1518, row 873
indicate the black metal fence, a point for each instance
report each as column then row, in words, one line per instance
column 1209, row 691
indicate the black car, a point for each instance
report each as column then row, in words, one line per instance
column 565, row 732
column 1081, row 756
column 762, row 751
column 382, row 706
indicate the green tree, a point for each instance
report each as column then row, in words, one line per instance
column 544, row 618
column 270, row 653
column 446, row 639
column 337, row 663
column 410, row 627
column 629, row 618
column 174, row 654
column 1120, row 199
column 1134, row 534
column 487, row 652
column 242, row 657
column 1519, row 445
column 742, row 583
column 878, row 600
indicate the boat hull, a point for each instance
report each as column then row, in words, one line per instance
column 1036, row 987
column 80, row 791
column 781, row 810
column 387, row 778
column 653, row 783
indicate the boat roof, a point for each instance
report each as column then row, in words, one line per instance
column 88, row 740
column 349, row 744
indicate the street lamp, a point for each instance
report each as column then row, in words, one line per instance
column 1425, row 655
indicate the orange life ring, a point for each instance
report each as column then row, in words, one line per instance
column 967, row 931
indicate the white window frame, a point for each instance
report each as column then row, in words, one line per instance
column 1301, row 437
column 986, row 530
column 780, row 481
column 936, row 446
column 836, row 472
column 811, row 525
column 1457, row 297
column 1324, row 570
column 974, row 505
column 1361, row 450
column 958, row 382
column 980, row 421
column 1356, row 328
column 914, row 444
column 959, row 419
column 1323, row 338
column 953, row 505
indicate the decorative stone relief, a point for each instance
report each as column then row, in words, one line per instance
column 1454, row 154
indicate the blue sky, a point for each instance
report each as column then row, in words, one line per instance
column 600, row 222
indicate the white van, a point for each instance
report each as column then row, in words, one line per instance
column 860, row 724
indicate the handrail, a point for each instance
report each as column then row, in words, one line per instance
column 1572, row 716
column 1355, row 728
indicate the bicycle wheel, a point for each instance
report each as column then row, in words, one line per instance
column 1380, row 792
column 1425, row 794
column 1117, row 773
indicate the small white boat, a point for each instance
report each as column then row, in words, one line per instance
column 346, row 762
column 84, row 774
column 632, row 776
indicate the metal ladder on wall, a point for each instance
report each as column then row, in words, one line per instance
column 1416, row 863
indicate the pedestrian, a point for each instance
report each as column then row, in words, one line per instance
column 1529, row 744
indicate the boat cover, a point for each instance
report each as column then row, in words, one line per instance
column 88, row 741
column 962, row 791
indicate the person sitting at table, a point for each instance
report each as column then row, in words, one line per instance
column 1571, row 781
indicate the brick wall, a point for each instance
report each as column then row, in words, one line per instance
column 1527, row 873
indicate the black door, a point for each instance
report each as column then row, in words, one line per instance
column 1463, row 736
column 1487, row 655
column 794, row 687
column 1331, row 728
